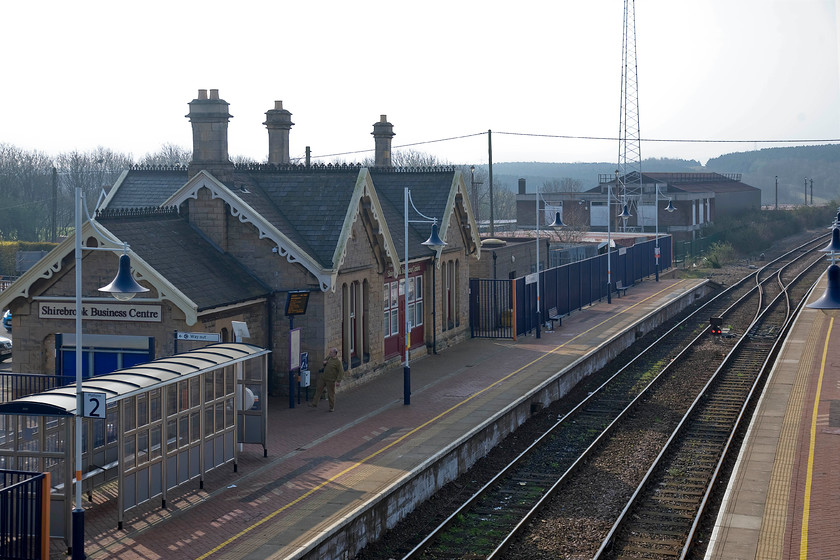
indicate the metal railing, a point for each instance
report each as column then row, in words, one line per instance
column 16, row 385
column 23, row 534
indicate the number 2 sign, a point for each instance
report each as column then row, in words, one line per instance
column 94, row 405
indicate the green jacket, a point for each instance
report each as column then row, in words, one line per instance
column 333, row 370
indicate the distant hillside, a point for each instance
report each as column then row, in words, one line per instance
column 792, row 166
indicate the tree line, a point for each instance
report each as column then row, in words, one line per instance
column 36, row 189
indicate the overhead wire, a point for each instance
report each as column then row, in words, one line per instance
column 585, row 137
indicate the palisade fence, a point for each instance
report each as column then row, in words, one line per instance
column 688, row 252
column 23, row 525
column 508, row 308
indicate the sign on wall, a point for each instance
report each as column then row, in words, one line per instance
column 101, row 311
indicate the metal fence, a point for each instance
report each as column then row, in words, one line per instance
column 23, row 529
column 16, row 385
column 491, row 308
column 508, row 308
column 688, row 252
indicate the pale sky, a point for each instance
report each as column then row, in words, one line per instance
column 120, row 74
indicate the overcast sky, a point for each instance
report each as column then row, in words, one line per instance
column 120, row 74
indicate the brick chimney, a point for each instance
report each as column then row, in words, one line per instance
column 279, row 122
column 383, row 131
column 209, row 117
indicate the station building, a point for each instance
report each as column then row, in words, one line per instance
column 219, row 244
column 696, row 198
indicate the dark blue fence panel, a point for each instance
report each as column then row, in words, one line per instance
column 490, row 308
column 565, row 288
column 21, row 498
column 575, row 285
column 16, row 385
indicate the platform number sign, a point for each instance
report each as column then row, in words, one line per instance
column 94, row 405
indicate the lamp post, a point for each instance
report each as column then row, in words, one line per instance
column 434, row 243
column 474, row 190
column 669, row 208
column 558, row 222
column 609, row 237
column 123, row 288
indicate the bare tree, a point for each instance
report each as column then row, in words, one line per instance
column 168, row 155
column 25, row 193
column 566, row 184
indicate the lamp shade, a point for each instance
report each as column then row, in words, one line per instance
column 829, row 303
column 558, row 221
column 834, row 245
column 625, row 213
column 434, row 242
column 124, row 287
column 670, row 207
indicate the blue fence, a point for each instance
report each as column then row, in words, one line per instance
column 508, row 308
column 22, row 534
column 16, row 385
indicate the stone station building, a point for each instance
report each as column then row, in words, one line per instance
column 218, row 243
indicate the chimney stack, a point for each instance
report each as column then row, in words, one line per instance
column 209, row 117
column 521, row 186
column 383, row 131
column 279, row 122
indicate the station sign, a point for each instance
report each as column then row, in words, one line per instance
column 199, row 336
column 93, row 405
column 101, row 311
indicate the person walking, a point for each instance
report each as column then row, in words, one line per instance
column 331, row 374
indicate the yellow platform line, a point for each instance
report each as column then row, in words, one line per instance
column 803, row 541
column 772, row 533
column 402, row 438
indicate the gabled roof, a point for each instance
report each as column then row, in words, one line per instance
column 145, row 187
column 433, row 193
column 55, row 260
column 309, row 212
column 166, row 242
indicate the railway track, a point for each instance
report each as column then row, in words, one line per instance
column 661, row 519
column 554, row 465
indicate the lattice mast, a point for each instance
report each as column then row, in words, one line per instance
column 629, row 183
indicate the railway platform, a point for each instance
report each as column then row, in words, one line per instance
column 334, row 481
column 783, row 497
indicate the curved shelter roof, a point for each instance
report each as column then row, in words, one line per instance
column 127, row 382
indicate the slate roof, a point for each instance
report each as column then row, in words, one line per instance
column 429, row 192
column 145, row 187
column 702, row 182
column 205, row 274
column 308, row 205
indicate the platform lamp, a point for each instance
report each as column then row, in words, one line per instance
column 558, row 222
column 609, row 237
column 670, row 208
column 435, row 243
column 829, row 303
column 123, row 288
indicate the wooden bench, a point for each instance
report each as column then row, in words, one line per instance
column 554, row 316
column 620, row 288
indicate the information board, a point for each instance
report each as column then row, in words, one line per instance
column 296, row 302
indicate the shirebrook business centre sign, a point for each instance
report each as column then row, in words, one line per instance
column 101, row 312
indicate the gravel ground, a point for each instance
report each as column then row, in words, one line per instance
column 400, row 540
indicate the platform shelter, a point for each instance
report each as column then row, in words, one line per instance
column 166, row 423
